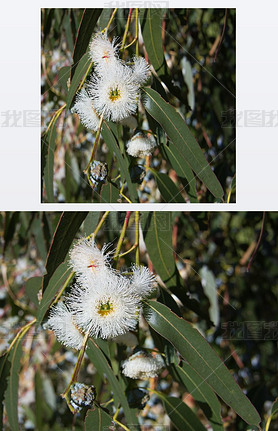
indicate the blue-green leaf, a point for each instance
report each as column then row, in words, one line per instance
column 186, row 146
column 197, row 351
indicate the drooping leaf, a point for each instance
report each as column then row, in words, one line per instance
column 180, row 414
column 61, row 274
column 48, row 17
column 274, row 408
column 32, row 288
column 99, row 360
column 4, row 374
column 11, row 394
column 84, row 34
column 91, row 222
column 112, row 144
column 82, row 69
column 197, row 351
column 186, row 146
column 188, row 79
column 201, row 392
column 63, row 76
column 168, row 189
column 104, row 18
column 68, row 31
column 97, row 420
column 182, row 169
column 157, row 230
column 210, row 289
column 109, row 193
column 11, row 221
column 65, row 232
column 48, row 150
column 151, row 25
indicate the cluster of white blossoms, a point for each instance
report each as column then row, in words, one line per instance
column 140, row 145
column 113, row 89
column 103, row 302
column 142, row 366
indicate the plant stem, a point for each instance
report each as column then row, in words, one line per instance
column 111, row 19
column 122, row 235
column 126, row 29
column 86, row 171
column 84, row 78
column 21, row 333
column 128, row 251
column 137, row 31
column 68, row 280
column 119, row 423
column 55, row 116
column 76, row 369
column 137, row 220
column 103, row 218
column 124, row 196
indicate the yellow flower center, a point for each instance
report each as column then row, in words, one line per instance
column 105, row 55
column 105, row 308
column 93, row 265
column 114, row 94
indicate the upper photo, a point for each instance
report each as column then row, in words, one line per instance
column 138, row 105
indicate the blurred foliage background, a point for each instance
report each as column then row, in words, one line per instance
column 235, row 309
column 199, row 48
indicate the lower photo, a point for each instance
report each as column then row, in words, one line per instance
column 132, row 320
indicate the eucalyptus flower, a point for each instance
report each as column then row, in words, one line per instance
column 140, row 145
column 142, row 366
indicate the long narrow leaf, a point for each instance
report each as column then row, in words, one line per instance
column 197, row 351
column 65, row 232
column 84, row 34
column 55, row 283
column 185, row 144
column 111, row 142
column 100, row 362
column 201, row 392
column 180, row 414
column 97, row 420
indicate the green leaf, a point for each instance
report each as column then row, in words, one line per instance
column 168, row 189
column 197, row 351
column 274, row 408
column 48, row 17
column 109, row 193
column 112, row 144
column 32, row 288
column 65, row 232
column 186, row 146
column 91, row 222
column 99, row 360
column 180, row 414
column 182, row 169
column 151, row 25
column 4, row 374
column 39, row 398
column 11, row 394
column 210, row 290
column 62, row 273
column 157, row 230
column 82, row 69
column 12, row 219
column 68, row 31
column 188, row 79
column 201, row 392
column 63, row 76
column 85, row 31
column 97, row 420
column 48, row 150
column 104, row 18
